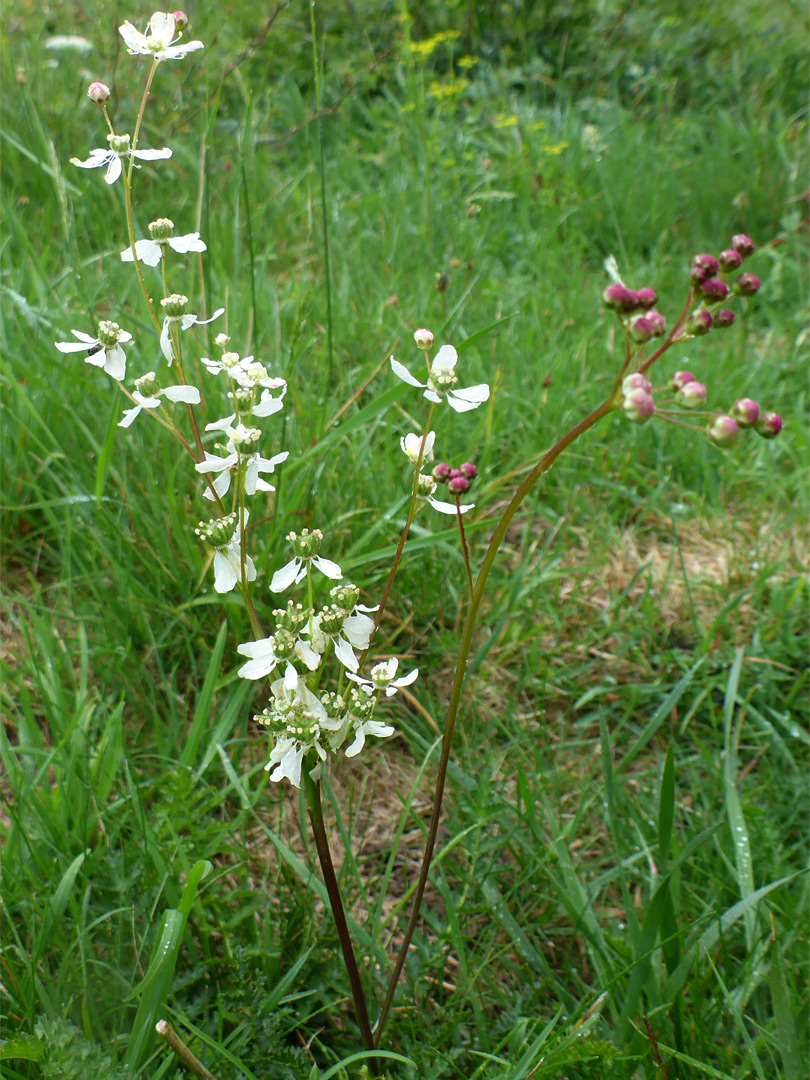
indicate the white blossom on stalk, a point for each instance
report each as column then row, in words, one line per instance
column 426, row 485
column 383, row 677
column 306, row 546
column 150, row 251
column 412, row 446
column 112, row 157
column 160, row 39
column 103, row 351
column 147, row 395
column 441, row 382
column 224, row 536
column 235, row 457
column 174, row 306
column 300, row 724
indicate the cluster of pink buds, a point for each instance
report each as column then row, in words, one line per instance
column 707, row 277
column 722, row 429
column 458, row 480
column 636, row 309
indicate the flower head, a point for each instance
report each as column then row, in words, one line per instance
column 119, row 148
column 174, row 307
column 306, row 546
column 415, row 446
column 103, row 351
column 299, row 723
column 224, row 535
column 147, row 395
column 160, row 236
column 442, row 380
column 160, row 39
column 383, row 677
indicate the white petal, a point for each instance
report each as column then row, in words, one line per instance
column 283, row 578
column 402, row 372
column 189, row 394
column 445, row 359
column 189, row 242
column 113, row 169
column 378, row 728
column 258, row 667
column 221, row 425
column 98, row 359
column 221, row 485
column 147, row 251
column 305, row 653
column 358, row 744
column 269, row 464
column 152, row 155
column 134, row 40
column 250, row 569
column 177, row 52
column 225, row 574
column 205, row 322
column 449, row 508
column 81, row 345
column 98, row 157
column 431, row 395
column 358, row 629
column 268, row 405
column 116, row 363
column 326, row 566
column 129, row 416
column 469, row 398
column 123, row 337
column 213, row 463
column 162, row 27
column 345, row 654
column 406, row 680
column 166, row 341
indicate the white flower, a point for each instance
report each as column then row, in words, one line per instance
column 305, row 547
column 159, row 41
column 228, row 563
column 107, row 354
column 151, row 251
column 262, row 658
column 441, row 382
column 180, row 392
column 185, row 322
column 383, row 677
column 367, row 727
column 298, row 720
column 412, row 446
column 353, row 632
column 112, row 156
column 254, row 464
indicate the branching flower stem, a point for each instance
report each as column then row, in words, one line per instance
column 313, row 793
column 543, row 465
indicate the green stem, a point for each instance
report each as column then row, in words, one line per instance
column 313, row 793
column 543, row 465
column 138, row 271
column 464, row 548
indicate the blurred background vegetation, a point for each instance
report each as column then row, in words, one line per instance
column 644, row 655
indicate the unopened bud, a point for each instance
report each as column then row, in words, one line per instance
column 743, row 244
column 658, row 323
column 703, row 267
column 119, row 143
column 747, row 284
column 423, row 338
column 469, row 470
column 636, row 381
column 218, row 532
column 745, row 412
column 180, row 20
column 769, row 425
column 98, row 92
column 161, row 229
column 692, row 395
column 458, row 485
column 713, row 290
column 647, row 298
column 148, row 385
column 306, row 544
column 723, row 318
column 699, row 322
column 221, row 340
column 174, row 305
column 441, row 472
column 619, row 298
column 638, row 405
column 723, row 431
column 679, row 380
column 641, row 329
column 730, row 260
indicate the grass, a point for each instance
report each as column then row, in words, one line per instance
column 618, row 890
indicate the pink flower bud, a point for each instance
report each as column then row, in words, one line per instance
column 620, row 298
column 699, row 322
column 730, row 260
column 745, row 412
column 714, row 289
column 423, row 339
column 638, row 405
column 458, row 485
column 723, row 318
column 636, row 381
column 705, row 266
column 769, row 425
column 98, row 92
column 180, row 19
column 469, row 470
column 723, row 431
column 441, row 472
column 743, row 244
column 692, row 395
column 747, row 284
column 657, row 322
column 641, row 329
column 647, row 298
column 679, row 380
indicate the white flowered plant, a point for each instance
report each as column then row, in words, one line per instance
column 113, row 156
column 442, row 382
column 103, row 351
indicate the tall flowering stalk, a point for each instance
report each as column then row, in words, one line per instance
column 320, row 703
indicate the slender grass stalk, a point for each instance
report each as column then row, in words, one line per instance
column 316, row 74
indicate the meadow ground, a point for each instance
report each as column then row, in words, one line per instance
column 636, row 706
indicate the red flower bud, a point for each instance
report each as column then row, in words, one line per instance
column 647, row 298
column 723, row 431
column 745, row 412
column 620, row 298
column 723, row 318
column 469, row 470
column 730, row 260
column 714, row 289
column 747, row 284
column 441, row 472
column 769, row 425
column 679, row 380
column 458, row 485
column 699, row 322
column 743, row 244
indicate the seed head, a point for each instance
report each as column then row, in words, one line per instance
column 148, row 385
